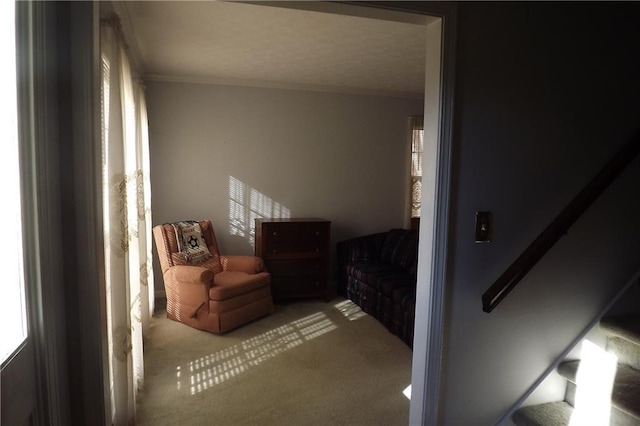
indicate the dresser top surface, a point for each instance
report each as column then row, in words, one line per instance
column 292, row 220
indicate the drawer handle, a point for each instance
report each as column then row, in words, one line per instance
column 317, row 233
column 275, row 233
column 317, row 250
column 274, row 251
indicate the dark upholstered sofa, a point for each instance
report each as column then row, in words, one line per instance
column 378, row 273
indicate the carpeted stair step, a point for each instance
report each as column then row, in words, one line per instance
column 559, row 414
column 625, row 326
column 625, row 401
column 625, row 396
column 623, row 338
column 551, row 413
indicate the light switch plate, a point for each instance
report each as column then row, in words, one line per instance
column 483, row 227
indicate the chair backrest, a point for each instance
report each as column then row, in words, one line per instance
column 167, row 245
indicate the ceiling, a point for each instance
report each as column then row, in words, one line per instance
column 305, row 45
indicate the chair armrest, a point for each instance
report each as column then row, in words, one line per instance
column 248, row 264
column 188, row 286
column 189, row 274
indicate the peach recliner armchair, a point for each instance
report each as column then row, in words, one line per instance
column 217, row 295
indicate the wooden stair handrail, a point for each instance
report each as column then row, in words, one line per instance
column 560, row 225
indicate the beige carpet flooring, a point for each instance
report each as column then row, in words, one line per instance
column 310, row 363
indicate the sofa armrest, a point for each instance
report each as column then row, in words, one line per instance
column 189, row 275
column 248, row 264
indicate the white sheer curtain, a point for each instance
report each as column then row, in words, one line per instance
column 127, row 222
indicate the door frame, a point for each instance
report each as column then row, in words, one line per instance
column 59, row 96
column 40, row 365
column 434, row 218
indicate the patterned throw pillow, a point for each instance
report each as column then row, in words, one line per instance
column 191, row 244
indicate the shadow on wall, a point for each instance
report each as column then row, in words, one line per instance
column 247, row 204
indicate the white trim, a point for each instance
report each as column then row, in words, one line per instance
column 434, row 222
column 394, row 14
column 426, row 292
column 283, row 85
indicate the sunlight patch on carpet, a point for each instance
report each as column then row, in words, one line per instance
column 210, row 370
column 350, row 310
column 594, row 382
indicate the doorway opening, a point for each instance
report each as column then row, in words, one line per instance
column 436, row 160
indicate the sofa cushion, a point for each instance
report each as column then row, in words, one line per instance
column 228, row 284
column 382, row 277
column 370, row 272
column 387, row 284
column 361, row 249
column 400, row 248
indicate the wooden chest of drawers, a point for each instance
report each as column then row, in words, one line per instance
column 296, row 253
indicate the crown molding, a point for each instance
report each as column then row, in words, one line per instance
column 284, row 86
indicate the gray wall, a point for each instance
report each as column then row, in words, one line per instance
column 342, row 157
column 545, row 94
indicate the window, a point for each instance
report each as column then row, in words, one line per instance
column 417, row 144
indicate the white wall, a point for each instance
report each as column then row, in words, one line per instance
column 545, row 94
column 341, row 157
